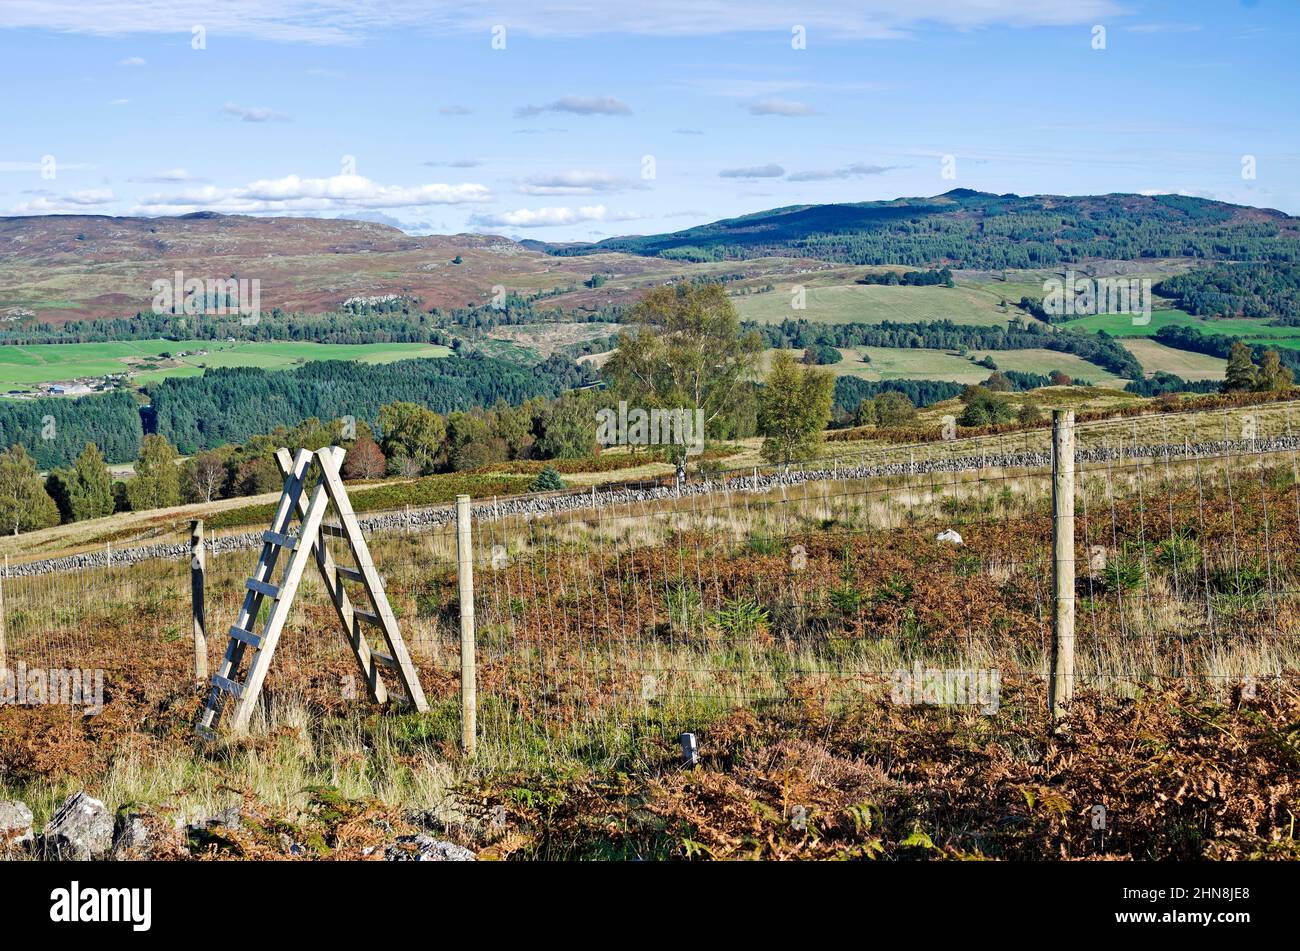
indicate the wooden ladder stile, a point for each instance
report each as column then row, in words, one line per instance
column 330, row 576
column 308, row 544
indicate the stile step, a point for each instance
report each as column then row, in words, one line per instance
column 278, row 538
column 229, row 686
column 248, row 637
column 261, row 587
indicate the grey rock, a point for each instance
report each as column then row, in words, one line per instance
column 81, row 829
column 15, row 823
column 423, row 848
column 229, row 818
column 132, row 839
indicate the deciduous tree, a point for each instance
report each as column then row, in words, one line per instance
column 24, row 503
column 795, row 408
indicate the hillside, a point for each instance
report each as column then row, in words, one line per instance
column 971, row 229
column 65, row 267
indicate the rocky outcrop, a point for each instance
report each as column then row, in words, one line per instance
column 424, row 848
column 81, row 829
column 15, row 824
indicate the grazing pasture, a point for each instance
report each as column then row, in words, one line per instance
column 23, row 367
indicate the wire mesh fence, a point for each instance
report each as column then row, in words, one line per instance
column 918, row 575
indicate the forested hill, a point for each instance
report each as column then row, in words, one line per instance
column 965, row 228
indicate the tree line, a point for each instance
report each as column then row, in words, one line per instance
column 229, row 405
column 1263, row 290
column 1099, row 348
column 54, row 430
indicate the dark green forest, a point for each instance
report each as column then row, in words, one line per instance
column 850, row 391
column 1238, row 290
column 111, row 421
column 231, row 404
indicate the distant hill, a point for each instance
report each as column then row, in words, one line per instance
column 64, row 267
column 965, row 228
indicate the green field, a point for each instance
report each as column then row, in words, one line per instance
column 971, row 304
column 1045, row 361
column 1121, row 325
column 21, row 368
column 1155, row 357
column 919, row 364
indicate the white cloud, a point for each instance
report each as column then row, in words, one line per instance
column 856, row 170
column 75, row 202
column 295, row 194
column 781, row 107
column 549, row 217
column 578, row 106
column 253, row 113
column 131, row 61
column 454, row 110
column 770, row 170
column 345, row 22
column 576, row 182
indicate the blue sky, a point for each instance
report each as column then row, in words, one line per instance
column 595, row 120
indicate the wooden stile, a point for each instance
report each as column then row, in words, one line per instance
column 308, row 545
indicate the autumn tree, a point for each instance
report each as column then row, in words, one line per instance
column 1272, row 376
column 685, row 350
column 206, row 476
column 795, row 408
column 412, row 431
column 24, row 503
column 365, row 460
column 894, row 409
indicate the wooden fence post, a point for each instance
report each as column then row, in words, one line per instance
column 465, row 575
column 198, row 564
column 4, row 645
column 1061, row 682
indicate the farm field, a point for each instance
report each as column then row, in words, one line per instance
column 872, row 304
column 889, row 363
column 1156, row 357
column 1045, row 361
column 1121, row 325
column 544, row 339
column 22, row 367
